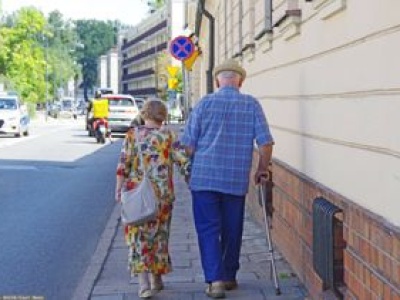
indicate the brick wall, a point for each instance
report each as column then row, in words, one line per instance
column 372, row 253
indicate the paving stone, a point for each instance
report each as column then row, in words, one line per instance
column 186, row 282
column 181, row 263
column 109, row 297
column 118, row 255
column 173, row 248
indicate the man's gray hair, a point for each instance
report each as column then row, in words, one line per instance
column 228, row 75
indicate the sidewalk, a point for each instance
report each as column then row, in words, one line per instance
column 107, row 277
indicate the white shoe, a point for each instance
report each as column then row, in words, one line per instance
column 145, row 294
column 156, row 282
column 144, row 286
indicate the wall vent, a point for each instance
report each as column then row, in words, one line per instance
column 328, row 244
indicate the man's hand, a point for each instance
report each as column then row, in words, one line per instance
column 261, row 177
column 262, row 173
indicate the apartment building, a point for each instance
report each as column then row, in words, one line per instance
column 141, row 49
column 145, row 52
column 326, row 73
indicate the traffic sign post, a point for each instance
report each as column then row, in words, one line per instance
column 181, row 47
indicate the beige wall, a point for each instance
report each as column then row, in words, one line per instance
column 330, row 85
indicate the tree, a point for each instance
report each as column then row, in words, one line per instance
column 32, row 47
column 98, row 38
column 21, row 55
column 155, row 5
column 61, row 45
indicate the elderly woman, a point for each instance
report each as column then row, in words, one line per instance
column 148, row 255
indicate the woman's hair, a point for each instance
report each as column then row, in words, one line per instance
column 155, row 110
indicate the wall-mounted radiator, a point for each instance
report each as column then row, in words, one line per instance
column 328, row 243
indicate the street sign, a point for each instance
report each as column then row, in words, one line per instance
column 172, row 70
column 181, row 47
column 188, row 63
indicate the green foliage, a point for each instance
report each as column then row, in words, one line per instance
column 61, row 44
column 180, row 87
column 32, row 46
column 154, row 4
column 21, row 56
column 98, row 37
column 36, row 52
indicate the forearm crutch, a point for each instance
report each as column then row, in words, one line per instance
column 273, row 274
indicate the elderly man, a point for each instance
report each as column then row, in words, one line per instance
column 220, row 136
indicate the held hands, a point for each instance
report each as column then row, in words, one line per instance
column 187, row 179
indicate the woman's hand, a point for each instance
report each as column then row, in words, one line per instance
column 118, row 195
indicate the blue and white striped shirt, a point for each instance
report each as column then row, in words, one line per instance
column 221, row 129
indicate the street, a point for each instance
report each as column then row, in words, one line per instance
column 56, row 195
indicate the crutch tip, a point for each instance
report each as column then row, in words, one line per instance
column 278, row 291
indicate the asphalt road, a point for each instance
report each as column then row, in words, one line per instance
column 56, row 195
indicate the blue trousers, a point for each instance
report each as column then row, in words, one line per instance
column 219, row 220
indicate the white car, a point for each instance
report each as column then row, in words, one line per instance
column 123, row 109
column 14, row 118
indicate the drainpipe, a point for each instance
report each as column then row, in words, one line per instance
column 211, row 19
column 267, row 20
column 241, row 25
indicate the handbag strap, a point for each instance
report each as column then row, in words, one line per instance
column 140, row 149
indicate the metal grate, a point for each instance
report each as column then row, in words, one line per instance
column 324, row 245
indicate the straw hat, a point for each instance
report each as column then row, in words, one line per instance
column 230, row 65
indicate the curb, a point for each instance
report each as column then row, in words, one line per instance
column 97, row 262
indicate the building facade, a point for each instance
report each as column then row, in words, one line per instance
column 141, row 49
column 113, row 70
column 145, row 53
column 108, row 70
column 326, row 74
column 102, row 71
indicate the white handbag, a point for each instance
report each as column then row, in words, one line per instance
column 140, row 204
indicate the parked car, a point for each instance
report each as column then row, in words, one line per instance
column 53, row 109
column 65, row 108
column 140, row 102
column 14, row 118
column 81, row 107
column 122, row 110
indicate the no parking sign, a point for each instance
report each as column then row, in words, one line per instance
column 181, row 47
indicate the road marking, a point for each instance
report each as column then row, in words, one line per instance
column 18, row 167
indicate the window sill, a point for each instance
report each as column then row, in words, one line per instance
column 289, row 27
column 249, row 52
column 265, row 41
column 329, row 8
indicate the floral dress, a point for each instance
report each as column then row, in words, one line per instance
column 148, row 243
